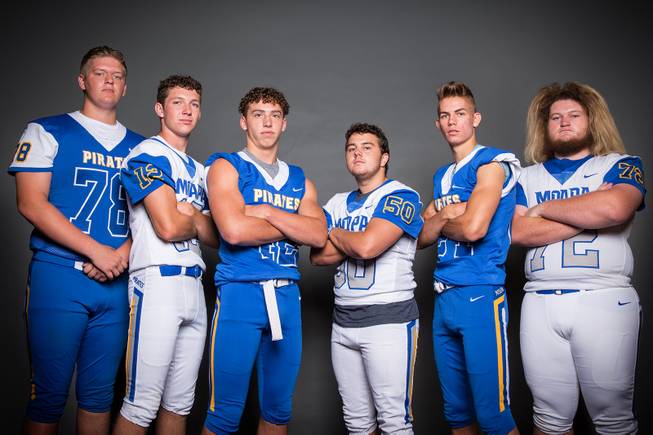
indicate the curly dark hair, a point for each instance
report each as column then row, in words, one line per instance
column 265, row 95
column 177, row 81
column 102, row 51
column 362, row 128
column 455, row 89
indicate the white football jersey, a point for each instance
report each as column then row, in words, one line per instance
column 148, row 166
column 389, row 277
column 593, row 259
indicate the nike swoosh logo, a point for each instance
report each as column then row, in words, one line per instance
column 590, row 175
column 476, row 298
column 623, row 303
column 294, row 189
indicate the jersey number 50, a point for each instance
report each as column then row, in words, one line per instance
column 358, row 274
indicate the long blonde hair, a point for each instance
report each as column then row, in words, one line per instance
column 604, row 132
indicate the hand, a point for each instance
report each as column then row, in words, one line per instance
column 452, row 211
column 258, row 211
column 534, row 211
column 605, row 186
column 186, row 208
column 93, row 272
column 108, row 260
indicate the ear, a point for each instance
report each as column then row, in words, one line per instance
column 243, row 124
column 81, row 82
column 385, row 158
column 124, row 91
column 477, row 119
column 284, row 124
column 158, row 109
column 437, row 124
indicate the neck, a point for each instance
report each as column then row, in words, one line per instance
column 462, row 150
column 177, row 142
column 575, row 156
column 267, row 155
column 369, row 184
column 108, row 116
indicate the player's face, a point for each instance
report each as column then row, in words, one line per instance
column 568, row 121
column 103, row 82
column 263, row 124
column 457, row 120
column 364, row 157
column 180, row 111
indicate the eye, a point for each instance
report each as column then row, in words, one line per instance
column 118, row 76
column 196, row 105
column 276, row 116
column 460, row 114
column 444, row 116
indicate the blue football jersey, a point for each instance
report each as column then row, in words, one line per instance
column 285, row 191
column 85, row 184
column 481, row 262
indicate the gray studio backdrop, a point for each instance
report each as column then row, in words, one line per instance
column 374, row 61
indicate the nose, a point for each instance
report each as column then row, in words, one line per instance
column 565, row 120
column 451, row 120
column 267, row 120
column 108, row 78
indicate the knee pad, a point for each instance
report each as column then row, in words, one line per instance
column 552, row 424
column 139, row 414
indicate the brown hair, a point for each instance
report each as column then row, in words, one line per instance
column 455, row 89
column 174, row 81
column 265, row 95
column 102, row 51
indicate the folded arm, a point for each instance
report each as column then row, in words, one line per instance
column 473, row 224
column 306, row 227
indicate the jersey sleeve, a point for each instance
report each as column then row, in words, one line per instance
column 36, row 150
column 144, row 173
column 521, row 195
column 402, row 209
column 629, row 170
column 328, row 214
column 511, row 167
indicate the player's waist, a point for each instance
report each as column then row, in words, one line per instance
column 566, row 291
column 76, row 263
column 172, row 270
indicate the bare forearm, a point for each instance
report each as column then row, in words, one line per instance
column 430, row 231
column 206, row 231
column 535, row 231
column 50, row 221
column 326, row 255
column 355, row 244
column 305, row 230
column 595, row 210
column 249, row 231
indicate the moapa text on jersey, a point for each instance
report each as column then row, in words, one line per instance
column 100, row 159
column 445, row 200
column 352, row 223
column 548, row 195
column 276, row 199
column 190, row 190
